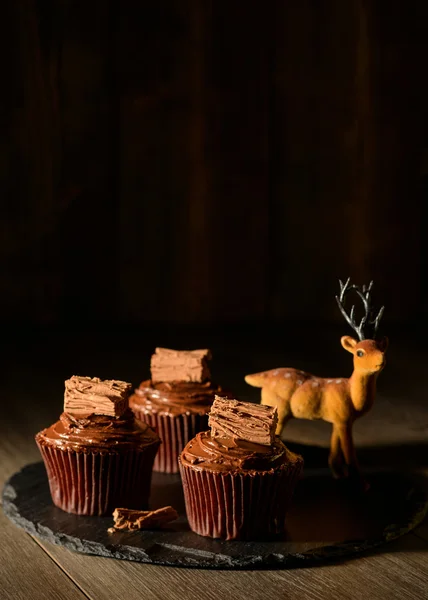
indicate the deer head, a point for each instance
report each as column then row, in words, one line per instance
column 369, row 354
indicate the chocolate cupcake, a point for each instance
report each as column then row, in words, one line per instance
column 175, row 401
column 238, row 478
column 97, row 456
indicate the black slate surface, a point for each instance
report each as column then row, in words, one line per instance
column 328, row 520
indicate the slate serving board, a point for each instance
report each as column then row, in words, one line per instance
column 327, row 521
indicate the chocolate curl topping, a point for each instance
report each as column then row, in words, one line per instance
column 125, row 518
column 180, row 365
column 254, row 423
column 92, row 396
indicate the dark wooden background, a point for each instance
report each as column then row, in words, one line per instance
column 207, row 161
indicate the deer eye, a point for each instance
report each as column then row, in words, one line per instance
column 360, row 353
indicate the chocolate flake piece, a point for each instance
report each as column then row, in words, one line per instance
column 254, row 423
column 180, row 365
column 90, row 395
column 125, row 518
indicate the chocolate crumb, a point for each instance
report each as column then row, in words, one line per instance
column 133, row 520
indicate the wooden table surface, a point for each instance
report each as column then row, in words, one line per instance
column 394, row 433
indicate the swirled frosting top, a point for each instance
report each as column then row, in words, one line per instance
column 98, row 432
column 174, row 398
column 228, row 454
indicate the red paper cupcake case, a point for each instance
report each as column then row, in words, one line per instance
column 175, row 432
column 242, row 506
column 95, row 483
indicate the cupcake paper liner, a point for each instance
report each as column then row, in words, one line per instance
column 242, row 506
column 175, row 432
column 95, row 483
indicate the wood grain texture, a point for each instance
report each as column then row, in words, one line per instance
column 400, row 571
column 29, row 241
column 88, row 100
column 190, row 165
column 422, row 530
column 193, row 111
column 312, row 111
column 25, row 570
column 398, row 114
column 28, row 572
column 394, row 432
column 237, row 88
column 344, row 142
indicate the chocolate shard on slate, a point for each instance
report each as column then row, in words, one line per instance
column 180, row 365
column 93, row 396
column 125, row 518
column 245, row 421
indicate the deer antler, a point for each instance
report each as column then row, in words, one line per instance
column 367, row 320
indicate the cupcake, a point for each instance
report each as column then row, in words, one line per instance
column 175, row 401
column 97, row 456
column 238, row 477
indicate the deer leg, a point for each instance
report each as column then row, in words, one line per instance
column 348, row 449
column 270, row 398
column 336, row 458
column 347, row 445
column 282, row 420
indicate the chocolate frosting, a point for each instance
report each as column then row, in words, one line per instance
column 228, row 454
column 98, row 432
column 174, row 398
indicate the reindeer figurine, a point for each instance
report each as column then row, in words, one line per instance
column 337, row 401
